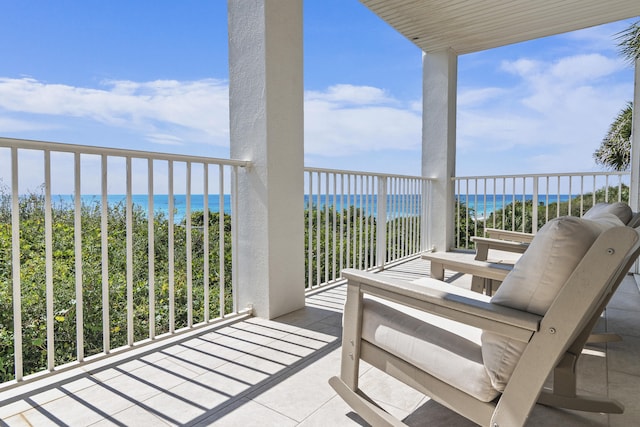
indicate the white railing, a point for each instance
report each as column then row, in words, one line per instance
column 361, row 220
column 102, row 250
column 499, row 201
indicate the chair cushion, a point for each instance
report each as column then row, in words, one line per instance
column 619, row 209
column 535, row 281
column 448, row 350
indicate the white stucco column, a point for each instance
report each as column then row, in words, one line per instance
column 634, row 190
column 634, row 187
column 266, row 113
column 440, row 80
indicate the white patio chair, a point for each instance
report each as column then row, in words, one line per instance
column 488, row 359
column 518, row 242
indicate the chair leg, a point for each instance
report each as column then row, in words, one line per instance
column 477, row 284
column 482, row 252
column 437, row 270
column 581, row 403
column 564, row 393
column 364, row 406
column 604, row 338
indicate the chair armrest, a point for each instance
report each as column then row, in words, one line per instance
column 515, row 236
column 502, row 320
column 483, row 244
column 463, row 263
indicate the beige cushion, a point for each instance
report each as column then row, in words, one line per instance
column 448, row 350
column 634, row 222
column 619, row 209
column 535, row 281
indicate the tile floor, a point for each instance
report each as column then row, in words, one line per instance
column 274, row 373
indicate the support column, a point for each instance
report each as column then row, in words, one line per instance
column 634, row 190
column 440, row 80
column 634, row 185
column 266, row 127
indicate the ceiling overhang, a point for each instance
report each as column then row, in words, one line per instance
column 467, row 26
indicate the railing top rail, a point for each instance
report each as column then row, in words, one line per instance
column 351, row 172
column 116, row 152
column 542, row 175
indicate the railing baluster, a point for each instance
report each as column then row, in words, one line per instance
column 570, row 195
column 366, row 222
column 104, row 253
column 206, row 292
column 534, row 212
column 326, row 227
column 234, row 237
column 524, row 203
column 15, row 267
column 318, row 229
column 556, row 194
column 547, row 200
column 581, row 195
column 475, row 211
column 77, row 232
column 48, row 243
column 381, row 216
column 456, row 220
column 129, row 237
column 358, row 243
column 221, row 244
column 333, row 274
column 205, row 240
column 189, row 253
column 151, row 251
column 171, row 250
column 349, row 210
column 342, row 219
column 310, row 231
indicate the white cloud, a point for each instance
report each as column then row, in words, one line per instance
column 346, row 94
column 478, row 96
column 10, row 125
column 558, row 107
column 347, row 120
column 341, row 120
column 194, row 111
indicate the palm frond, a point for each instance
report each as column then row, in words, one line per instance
column 615, row 149
column 629, row 42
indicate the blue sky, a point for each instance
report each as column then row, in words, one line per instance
column 154, row 76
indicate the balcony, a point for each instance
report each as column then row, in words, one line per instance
column 165, row 356
column 274, row 372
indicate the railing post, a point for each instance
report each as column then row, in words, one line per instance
column 381, row 218
column 534, row 211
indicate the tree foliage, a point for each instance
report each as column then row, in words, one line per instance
column 629, row 42
column 518, row 216
column 614, row 151
column 65, row 301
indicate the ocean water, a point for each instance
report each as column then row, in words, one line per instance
column 160, row 202
column 397, row 206
column 486, row 205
